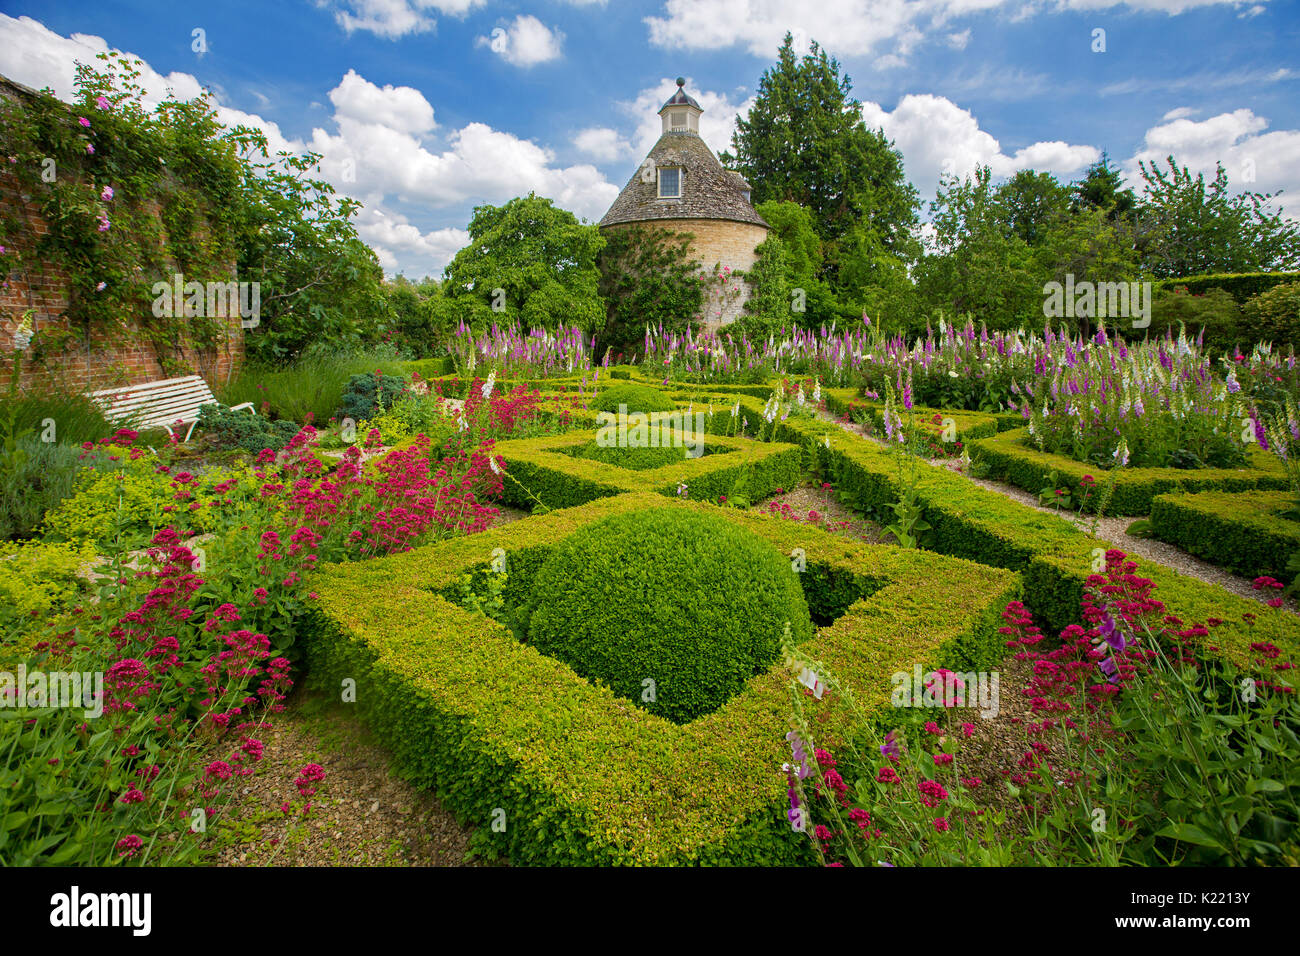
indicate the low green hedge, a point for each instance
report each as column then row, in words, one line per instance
column 1009, row 459
column 1054, row 557
column 1240, row 285
column 1243, row 532
column 538, row 469
column 501, row 733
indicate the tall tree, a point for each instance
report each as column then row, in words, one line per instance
column 526, row 262
column 805, row 141
column 1191, row 227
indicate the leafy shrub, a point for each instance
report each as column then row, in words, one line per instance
column 312, row 386
column 414, row 414
column 126, row 495
column 1240, row 285
column 637, row 398
column 227, row 428
column 364, row 395
column 39, row 578
column 35, row 478
column 690, row 601
column 1273, row 316
column 1213, row 315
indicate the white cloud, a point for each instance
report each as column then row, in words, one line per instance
column 936, row 137
column 1180, row 112
column 525, row 42
column 603, row 143
column 1240, row 141
column 400, row 108
column 395, row 18
column 396, row 241
column 890, row 29
column 958, row 41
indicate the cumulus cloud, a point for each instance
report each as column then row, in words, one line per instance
column 525, row 42
column 938, row 137
column 400, row 108
column 395, row 18
column 602, row 143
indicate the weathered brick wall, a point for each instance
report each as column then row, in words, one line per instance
column 727, row 244
column 90, row 361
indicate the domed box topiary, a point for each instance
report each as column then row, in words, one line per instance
column 673, row 609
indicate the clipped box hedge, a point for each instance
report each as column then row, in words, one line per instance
column 1243, row 531
column 539, row 468
column 493, row 727
column 1009, row 459
column 1054, row 557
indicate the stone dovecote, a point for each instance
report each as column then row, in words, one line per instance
column 681, row 186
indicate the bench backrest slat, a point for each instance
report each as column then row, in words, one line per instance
column 163, row 402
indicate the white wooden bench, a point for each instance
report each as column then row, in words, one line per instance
column 161, row 404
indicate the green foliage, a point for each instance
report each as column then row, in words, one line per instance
column 227, row 428
column 34, row 481
column 638, row 459
column 40, row 579
column 308, row 389
column 1273, row 316
column 1213, row 316
column 544, row 469
column 365, row 395
column 1190, row 228
column 542, row 259
column 122, row 499
column 413, row 321
column 1241, row 286
column 453, row 693
column 637, row 398
column 804, row 141
column 647, row 277
column 1009, row 459
column 689, row 602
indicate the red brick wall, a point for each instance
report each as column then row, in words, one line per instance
column 89, row 362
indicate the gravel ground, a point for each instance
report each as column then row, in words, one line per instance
column 361, row 815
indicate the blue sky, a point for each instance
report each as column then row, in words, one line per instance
column 425, row 108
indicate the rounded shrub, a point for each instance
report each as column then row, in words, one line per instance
column 671, row 608
column 637, row 398
column 638, row 459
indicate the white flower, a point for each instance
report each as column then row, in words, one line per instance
column 492, row 463
column 491, row 384
column 462, row 425
column 952, row 373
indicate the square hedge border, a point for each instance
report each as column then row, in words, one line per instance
column 560, row 480
column 1135, row 488
column 1240, row 531
column 586, row 778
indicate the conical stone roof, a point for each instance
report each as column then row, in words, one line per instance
column 708, row 190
